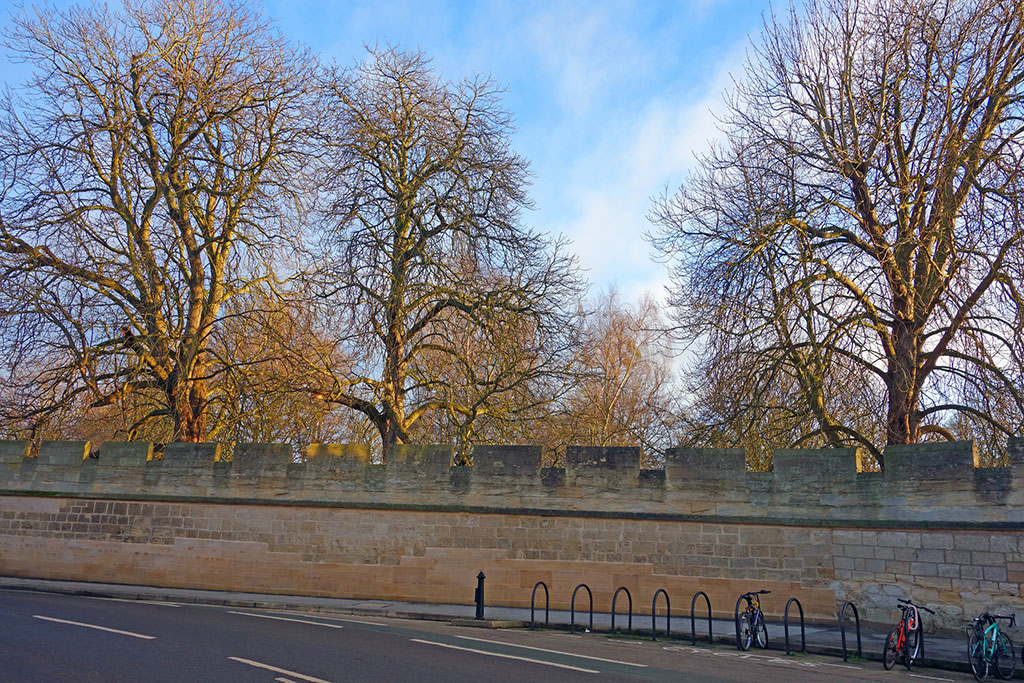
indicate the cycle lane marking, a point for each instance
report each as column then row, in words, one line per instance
column 754, row 657
column 505, row 656
column 95, row 626
column 930, row 678
column 554, row 652
column 278, row 670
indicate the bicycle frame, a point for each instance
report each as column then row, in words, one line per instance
column 988, row 641
column 754, row 606
column 907, row 624
column 901, row 639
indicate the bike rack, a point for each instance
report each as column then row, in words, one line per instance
column 693, row 620
column 572, row 608
column 842, row 630
column 547, row 603
column 736, row 621
column 615, row 595
column 785, row 626
column 668, row 615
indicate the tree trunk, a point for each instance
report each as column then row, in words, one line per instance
column 903, row 420
column 188, row 410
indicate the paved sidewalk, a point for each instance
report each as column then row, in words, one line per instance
column 942, row 651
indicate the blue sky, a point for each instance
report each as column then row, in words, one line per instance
column 611, row 99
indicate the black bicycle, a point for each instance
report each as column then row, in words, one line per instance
column 906, row 641
column 988, row 648
column 750, row 624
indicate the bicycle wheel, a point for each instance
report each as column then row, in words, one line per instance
column 761, row 632
column 911, row 647
column 889, row 652
column 976, row 655
column 1004, row 658
column 744, row 631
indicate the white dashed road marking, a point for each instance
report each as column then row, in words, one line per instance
column 503, row 656
column 94, row 626
column 297, row 621
column 268, row 667
column 554, row 652
column 332, row 618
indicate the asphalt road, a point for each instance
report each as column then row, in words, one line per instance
column 47, row 637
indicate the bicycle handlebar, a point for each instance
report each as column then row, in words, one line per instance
column 911, row 603
column 760, row 592
column 1012, row 618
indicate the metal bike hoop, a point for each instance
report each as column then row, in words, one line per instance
column 842, row 630
column 785, row 626
column 547, row 604
column 668, row 615
column 572, row 608
column 615, row 595
column 693, row 619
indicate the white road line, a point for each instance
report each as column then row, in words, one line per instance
column 930, row 678
column 297, row 621
column 135, row 602
column 98, row 628
column 347, row 621
column 842, row 666
column 503, row 656
column 311, row 679
column 282, row 679
column 554, row 652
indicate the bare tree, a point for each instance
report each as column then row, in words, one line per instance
column 625, row 392
column 268, row 395
column 862, row 220
column 150, row 167
column 428, row 244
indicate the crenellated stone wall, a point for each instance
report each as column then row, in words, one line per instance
column 932, row 524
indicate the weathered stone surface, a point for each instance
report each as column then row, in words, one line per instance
column 183, row 454
column 63, row 452
column 124, row 453
column 685, row 465
column 420, row 456
column 256, row 458
column 947, row 461
column 520, row 461
column 12, row 452
column 322, row 452
column 613, row 457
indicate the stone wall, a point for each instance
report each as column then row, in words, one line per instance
column 931, row 525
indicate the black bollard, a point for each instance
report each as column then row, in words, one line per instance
column 480, row 595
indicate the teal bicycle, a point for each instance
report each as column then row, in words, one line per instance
column 988, row 648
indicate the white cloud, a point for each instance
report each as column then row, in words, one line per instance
column 610, row 187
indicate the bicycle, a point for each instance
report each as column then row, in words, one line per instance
column 988, row 647
column 907, row 639
column 750, row 622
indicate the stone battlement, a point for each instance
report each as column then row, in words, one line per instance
column 927, row 484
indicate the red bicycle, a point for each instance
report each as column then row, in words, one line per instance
column 906, row 641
